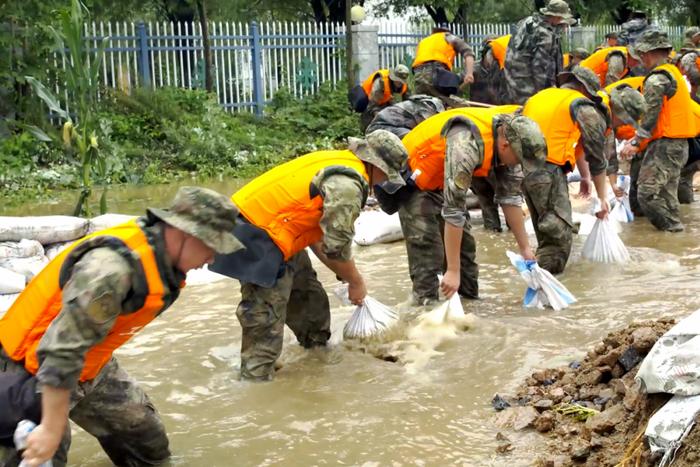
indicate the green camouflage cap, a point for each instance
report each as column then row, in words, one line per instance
column 399, row 73
column 583, row 75
column 653, row 39
column 580, row 52
column 204, row 214
column 692, row 31
column 557, row 8
column 627, row 104
column 384, row 150
column 633, row 52
column 526, row 139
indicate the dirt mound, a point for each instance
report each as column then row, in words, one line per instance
column 592, row 412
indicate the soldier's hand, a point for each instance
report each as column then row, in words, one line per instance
column 619, row 192
column 450, row 283
column 41, row 446
column 584, row 190
column 357, row 291
column 469, row 78
column 527, row 254
column 628, row 150
column 604, row 209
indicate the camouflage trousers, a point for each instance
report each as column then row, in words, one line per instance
column 113, row 409
column 423, row 228
column 685, row 183
column 483, row 188
column 655, row 176
column 547, row 197
column 368, row 115
column 298, row 300
column 424, row 84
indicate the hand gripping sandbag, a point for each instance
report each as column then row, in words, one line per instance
column 543, row 289
column 603, row 245
column 369, row 319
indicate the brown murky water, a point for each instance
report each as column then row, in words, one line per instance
column 344, row 407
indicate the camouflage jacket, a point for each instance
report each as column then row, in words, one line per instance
column 92, row 300
column 402, row 117
column 593, row 125
column 533, row 59
column 689, row 66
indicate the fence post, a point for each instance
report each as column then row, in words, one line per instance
column 256, row 52
column 144, row 62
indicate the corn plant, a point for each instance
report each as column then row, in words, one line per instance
column 80, row 126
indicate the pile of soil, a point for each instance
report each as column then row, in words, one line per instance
column 604, row 382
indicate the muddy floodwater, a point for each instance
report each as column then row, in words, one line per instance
column 343, row 406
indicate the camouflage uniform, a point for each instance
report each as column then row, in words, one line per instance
column 487, row 78
column 656, row 172
column 633, row 29
column 534, row 56
column 397, row 75
column 112, row 407
column 298, row 298
column 424, row 74
column 402, row 117
column 685, row 183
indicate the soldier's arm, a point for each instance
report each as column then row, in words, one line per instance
column 656, row 87
column 377, row 90
column 593, row 126
column 509, row 195
column 92, row 301
column 616, row 67
column 467, row 53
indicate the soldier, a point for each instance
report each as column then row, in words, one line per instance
column 612, row 64
column 445, row 152
column 667, row 124
column 59, row 335
column 575, row 57
column 380, row 88
column 574, row 120
column 534, row 56
column 633, row 28
column 691, row 38
column 487, row 76
column 311, row 201
column 433, row 64
column 610, row 40
column 402, row 117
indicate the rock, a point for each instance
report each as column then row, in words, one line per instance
column 589, row 378
column 580, row 453
column 613, row 340
column 632, row 397
column 556, row 394
column 629, row 358
column 544, row 422
column 643, row 339
column 568, row 378
column 543, row 404
column 606, row 392
column 597, row 441
column 525, row 417
column 499, row 403
column 618, row 371
column 609, row 359
column 504, row 445
column 606, row 421
column 599, row 348
column 618, row 386
column 540, row 376
column 575, row 364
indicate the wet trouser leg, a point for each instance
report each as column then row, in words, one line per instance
column 658, row 182
column 484, row 190
column 263, row 314
column 547, row 197
column 114, row 409
column 635, row 165
column 685, row 183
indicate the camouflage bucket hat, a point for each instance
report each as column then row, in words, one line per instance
column 627, row 104
column 526, row 139
column 557, row 8
column 383, row 150
column 580, row 52
column 584, row 76
column 204, row 214
column 652, row 39
column 692, row 31
column 400, row 73
column 632, row 52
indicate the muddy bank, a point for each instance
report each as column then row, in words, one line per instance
column 592, row 412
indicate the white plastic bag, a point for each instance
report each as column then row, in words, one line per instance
column 6, row 301
column 543, row 289
column 106, row 221
column 369, row 319
column 450, row 311
column 44, row 229
column 11, row 282
column 22, row 249
column 603, row 245
column 373, row 227
column 622, row 211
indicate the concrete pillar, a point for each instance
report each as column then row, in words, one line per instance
column 583, row 36
column 365, row 50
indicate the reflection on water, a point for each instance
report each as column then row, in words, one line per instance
column 341, row 405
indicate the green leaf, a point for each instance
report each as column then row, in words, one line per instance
column 37, row 132
column 48, row 97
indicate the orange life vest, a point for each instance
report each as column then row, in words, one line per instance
column 598, row 61
column 566, row 59
column 499, row 46
column 435, row 48
column 626, row 131
column 426, row 144
column 283, row 202
column 554, row 110
column 24, row 324
column 384, row 76
column 676, row 118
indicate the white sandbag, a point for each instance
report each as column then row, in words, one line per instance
column 673, row 364
column 603, row 245
column 54, row 249
column 369, row 319
column 622, row 211
column 44, row 229
column 450, row 311
column 106, row 221
column 203, row 276
column 668, row 427
column 11, row 282
column 377, row 227
column 543, row 288
column 22, row 249
column 28, row 267
column 6, row 301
